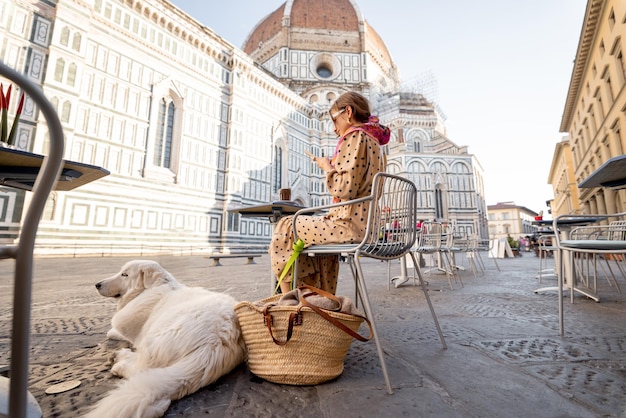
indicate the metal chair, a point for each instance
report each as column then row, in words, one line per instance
column 546, row 249
column 393, row 201
column 587, row 266
column 488, row 245
column 607, row 240
column 465, row 245
column 472, row 252
column 436, row 239
column 23, row 251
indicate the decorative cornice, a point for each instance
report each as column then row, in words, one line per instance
column 585, row 49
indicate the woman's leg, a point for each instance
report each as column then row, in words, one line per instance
column 319, row 230
column 320, row 271
column 281, row 248
column 328, row 267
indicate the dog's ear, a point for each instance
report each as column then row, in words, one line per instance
column 153, row 276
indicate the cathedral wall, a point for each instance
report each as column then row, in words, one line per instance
column 191, row 128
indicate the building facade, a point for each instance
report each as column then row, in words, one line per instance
column 508, row 219
column 192, row 127
column 595, row 106
column 566, row 192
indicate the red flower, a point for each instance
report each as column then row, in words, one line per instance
column 5, row 101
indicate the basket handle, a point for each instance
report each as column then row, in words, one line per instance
column 295, row 318
column 321, row 312
column 320, row 292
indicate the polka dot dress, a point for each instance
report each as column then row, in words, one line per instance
column 359, row 158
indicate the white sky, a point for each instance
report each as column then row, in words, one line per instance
column 502, row 71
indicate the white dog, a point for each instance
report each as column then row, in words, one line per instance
column 183, row 338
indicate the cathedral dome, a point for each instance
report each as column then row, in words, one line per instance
column 332, row 26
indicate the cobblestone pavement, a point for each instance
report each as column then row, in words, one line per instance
column 505, row 355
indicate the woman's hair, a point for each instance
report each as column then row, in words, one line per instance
column 359, row 104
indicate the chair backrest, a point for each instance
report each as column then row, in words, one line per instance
column 430, row 237
column 617, row 230
column 448, row 238
column 392, row 219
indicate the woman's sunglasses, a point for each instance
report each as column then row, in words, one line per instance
column 334, row 116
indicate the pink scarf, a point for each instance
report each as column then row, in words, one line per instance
column 372, row 128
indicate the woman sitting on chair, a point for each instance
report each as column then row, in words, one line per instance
column 349, row 174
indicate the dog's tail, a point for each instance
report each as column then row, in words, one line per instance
column 149, row 393
column 146, row 394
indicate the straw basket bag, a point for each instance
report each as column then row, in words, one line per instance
column 293, row 339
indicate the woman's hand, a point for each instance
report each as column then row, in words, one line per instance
column 322, row 162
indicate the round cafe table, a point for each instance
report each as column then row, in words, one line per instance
column 273, row 211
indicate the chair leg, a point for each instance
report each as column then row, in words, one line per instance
column 495, row 262
column 360, row 283
column 447, row 267
column 619, row 267
column 612, row 274
column 469, row 256
column 480, row 261
column 453, row 267
column 351, row 263
column 430, row 305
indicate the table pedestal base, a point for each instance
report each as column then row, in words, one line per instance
column 585, row 292
column 403, row 277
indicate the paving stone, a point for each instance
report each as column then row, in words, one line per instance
column 505, row 356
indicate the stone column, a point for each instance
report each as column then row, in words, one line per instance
column 600, row 202
column 593, row 206
column 609, row 200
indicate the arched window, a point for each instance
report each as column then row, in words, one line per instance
column 393, row 169
column 439, row 173
column 76, row 42
column 71, row 75
column 439, row 204
column 65, row 36
column 278, row 168
column 54, row 101
column 165, row 129
column 65, row 112
column 59, row 69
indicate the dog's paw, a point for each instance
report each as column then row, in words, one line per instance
column 124, row 354
column 113, row 334
column 123, row 362
column 110, row 360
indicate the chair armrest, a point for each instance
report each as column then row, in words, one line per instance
column 591, row 217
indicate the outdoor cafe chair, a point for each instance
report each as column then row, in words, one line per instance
column 437, row 239
column 393, row 201
column 587, row 265
column 545, row 249
column 467, row 245
column 20, row 402
column 606, row 239
column 487, row 245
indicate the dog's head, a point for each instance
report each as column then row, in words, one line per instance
column 134, row 277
